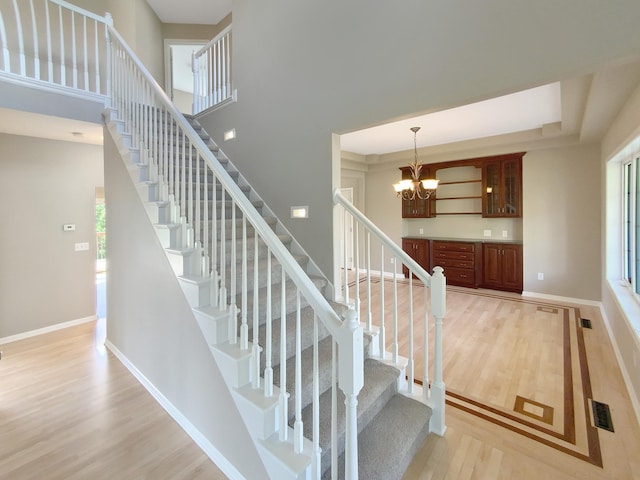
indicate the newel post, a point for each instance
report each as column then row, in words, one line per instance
column 438, row 308
column 351, row 380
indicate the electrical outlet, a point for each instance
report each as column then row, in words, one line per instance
column 540, row 276
column 487, row 233
column 505, row 233
column 421, row 231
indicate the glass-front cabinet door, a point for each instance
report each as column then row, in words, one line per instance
column 491, row 190
column 502, row 187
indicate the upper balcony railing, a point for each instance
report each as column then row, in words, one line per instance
column 212, row 80
column 54, row 44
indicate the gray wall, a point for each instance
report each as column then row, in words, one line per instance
column 151, row 323
column 304, row 71
column 43, row 185
column 562, row 222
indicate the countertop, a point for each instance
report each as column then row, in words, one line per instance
column 473, row 240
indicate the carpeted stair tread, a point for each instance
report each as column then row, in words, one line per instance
column 388, row 444
column 380, row 385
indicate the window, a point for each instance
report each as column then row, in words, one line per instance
column 631, row 220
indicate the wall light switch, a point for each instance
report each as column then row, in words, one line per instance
column 81, row 247
column 540, row 276
column 487, row 233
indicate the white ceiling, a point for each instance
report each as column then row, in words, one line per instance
column 517, row 112
column 17, row 122
column 207, row 12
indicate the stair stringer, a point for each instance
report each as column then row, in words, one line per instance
column 259, row 413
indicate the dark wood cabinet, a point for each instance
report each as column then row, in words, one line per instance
column 502, row 186
column 502, row 266
column 418, row 208
column 461, row 261
column 418, row 249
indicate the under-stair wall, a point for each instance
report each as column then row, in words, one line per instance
column 154, row 330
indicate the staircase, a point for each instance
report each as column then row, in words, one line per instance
column 318, row 391
column 390, row 425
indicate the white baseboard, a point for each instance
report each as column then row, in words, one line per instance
column 625, row 374
column 207, row 447
column 50, row 328
column 558, row 298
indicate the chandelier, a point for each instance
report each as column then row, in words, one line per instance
column 413, row 188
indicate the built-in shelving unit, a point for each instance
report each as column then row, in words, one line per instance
column 459, row 191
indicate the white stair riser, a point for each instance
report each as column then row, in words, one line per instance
column 148, row 191
column 261, row 422
column 236, row 371
column 215, row 330
column 169, row 236
column 197, row 294
column 183, row 264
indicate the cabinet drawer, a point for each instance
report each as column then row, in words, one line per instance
column 438, row 255
column 453, row 263
column 453, row 246
column 459, row 276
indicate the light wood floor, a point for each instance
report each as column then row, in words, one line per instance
column 70, row 410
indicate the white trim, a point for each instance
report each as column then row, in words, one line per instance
column 558, row 298
column 49, row 329
column 227, row 101
column 207, row 447
column 53, row 87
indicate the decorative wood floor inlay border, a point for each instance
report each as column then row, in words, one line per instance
column 583, row 444
column 540, row 411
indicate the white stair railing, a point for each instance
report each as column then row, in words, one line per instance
column 189, row 176
column 357, row 283
column 212, row 80
column 54, row 44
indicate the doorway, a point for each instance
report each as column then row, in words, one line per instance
column 179, row 72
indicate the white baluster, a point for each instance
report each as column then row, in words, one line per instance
column 425, row 349
column 369, row 313
column 284, row 396
column 96, row 56
column 410, row 365
column 223, row 251
column 356, row 253
column 382, row 339
column 74, row 53
column 268, row 370
column 36, row 54
column 234, row 259
column 21, row 56
column 346, row 255
column 298, row 426
column 50, row 45
column 197, row 219
column 63, row 69
column 317, row 457
column 206, row 267
column 395, row 311
column 6, row 57
column 244, row 328
column 334, row 410
column 255, row 351
column 85, row 47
